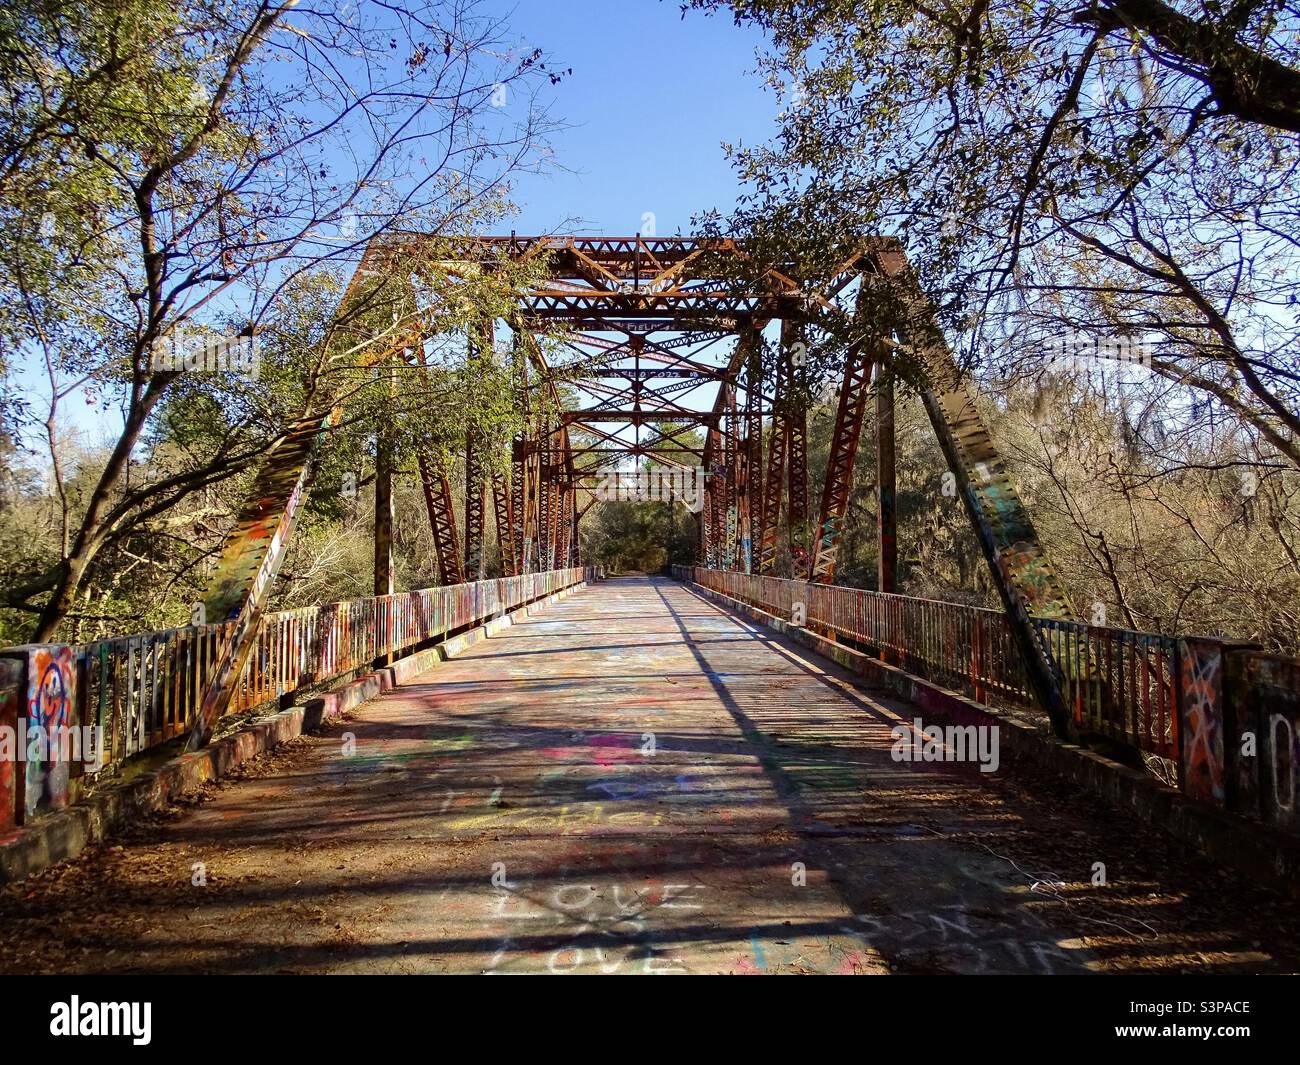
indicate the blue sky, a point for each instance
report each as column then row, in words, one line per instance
column 650, row 101
column 651, row 98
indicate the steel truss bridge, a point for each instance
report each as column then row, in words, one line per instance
column 692, row 354
column 668, row 334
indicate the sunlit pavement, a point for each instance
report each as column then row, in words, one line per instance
column 632, row 781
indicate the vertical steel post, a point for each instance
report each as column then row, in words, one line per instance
column 796, row 425
column 475, row 483
column 886, row 518
column 383, row 569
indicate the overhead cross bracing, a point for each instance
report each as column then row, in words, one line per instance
column 651, row 328
column 693, row 354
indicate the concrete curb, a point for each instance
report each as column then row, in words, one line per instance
column 66, row 833
column 1256, row 850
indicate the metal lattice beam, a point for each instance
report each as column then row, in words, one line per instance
column 644, row 318
column 850, row 412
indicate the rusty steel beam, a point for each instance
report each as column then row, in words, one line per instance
column 442, row 522
column 886, row 481
column 383, row 568
column 633, row 417
column 753, row 486
column 732, row 496
column 708, row 522
column 519, row 470
column 564, row 547
column 517, row 504
column 481, row 350
column 575, row 554
column 850, row 412
column 797, row 488
column 383, row 563
column 544, row 516
column 714, row 460
column 796, row 428
column 774, row 475
column 503, row 511
column 475, row 492
column 718, row 543
column 744, row 516
column 251, row 557
column 1021, row 571
column 531, row 450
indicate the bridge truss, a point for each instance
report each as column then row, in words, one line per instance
column 690, row 353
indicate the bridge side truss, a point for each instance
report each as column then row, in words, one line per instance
column 652, row 328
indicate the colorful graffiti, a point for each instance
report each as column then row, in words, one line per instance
column 1201, row 711
column 1266, row 699
column 51, row 699
column 11, row 683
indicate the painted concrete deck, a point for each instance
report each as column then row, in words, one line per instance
column 506, row 814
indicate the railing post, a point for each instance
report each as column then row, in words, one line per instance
column 977, row 660
column 1262, row 701
column 38, row 698
column 13, row 695
column 1206, row 732
column 886, row 521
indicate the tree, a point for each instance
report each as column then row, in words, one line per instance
column 1124, row 169
column 194, row 166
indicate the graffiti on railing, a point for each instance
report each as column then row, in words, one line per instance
column 51, row 684
column 142, row 691
column 1224, row 716
column 1202, row 718
column 1265, row 757
column 11, row 693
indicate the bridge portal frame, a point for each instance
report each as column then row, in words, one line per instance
column 613, row 296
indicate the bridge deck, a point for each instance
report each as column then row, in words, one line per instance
column 531, row 751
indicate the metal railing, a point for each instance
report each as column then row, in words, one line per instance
column 1116, row 682
column 144, row 690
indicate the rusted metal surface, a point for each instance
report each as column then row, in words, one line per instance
column 778, row 440
column 794, row 418
column 850, row 412
column 886, row 484
column 503, row 509
column 383, row 568
column 731, row 486
column 442, row 520
column 475, row 493
column 250, row 559
column 518, row 475
column 751, row 489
